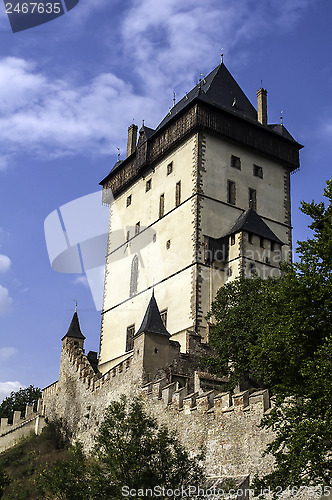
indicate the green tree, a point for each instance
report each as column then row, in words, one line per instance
column 152, row 455
column 17, row 401
column 4, row 482
column 131, row 451
column 278, row 334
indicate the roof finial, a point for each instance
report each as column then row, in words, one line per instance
column 281, row 117
column 143, row 124
column 118, row 153
column 173, row 99
column 222, row 56
column 75, row 305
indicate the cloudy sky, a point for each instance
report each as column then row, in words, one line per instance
column 70, row 88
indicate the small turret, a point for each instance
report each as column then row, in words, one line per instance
column 74, row 331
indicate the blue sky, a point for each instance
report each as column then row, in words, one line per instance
column 70, row 88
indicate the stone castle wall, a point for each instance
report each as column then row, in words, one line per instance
column 226, row 425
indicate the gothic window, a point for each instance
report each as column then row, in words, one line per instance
column 163, row 315
column 258, row 171
column 133, row 276
column 161, row 205
column 252, row 198
column 178, row 194
column 231, row 192
column 236, row 162
column 130, row 337
column 170, row 168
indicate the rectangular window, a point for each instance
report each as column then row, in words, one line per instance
column 128, row 236
column 236, row 162
column 231, row 192
column 252, row 198
column 250, row 239
column 178, row 194
column 168, row 244
column 272, row 246
column 130, row 337
column 129, row 200
column 137, row 228
column 258, row 171
column 163, row 315
column 170, row 168
column 161, row 205
column 261, row 242
column 233, row 239
column 148, row 185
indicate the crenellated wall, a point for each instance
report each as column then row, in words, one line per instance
column 188, row 401
column 32, row 422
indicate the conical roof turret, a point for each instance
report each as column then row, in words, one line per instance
column 74, row 330
column 152, row 322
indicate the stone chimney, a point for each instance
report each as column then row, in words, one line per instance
column 132, row 139
column 262, row 106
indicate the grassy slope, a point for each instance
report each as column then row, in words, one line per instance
column 24, row 462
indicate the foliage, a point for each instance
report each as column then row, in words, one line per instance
column 24, row 462
column 278, row 334
column 4, row 482
column 153, row 455
column 17, row 401
column 130, row 450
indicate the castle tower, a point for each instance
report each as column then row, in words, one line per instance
column 201, row 199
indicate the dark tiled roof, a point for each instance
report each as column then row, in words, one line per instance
column 220, row 89
column 152, row 322
column 147, row 130
column 250, row 221
column 280, row 129
column 74, row 330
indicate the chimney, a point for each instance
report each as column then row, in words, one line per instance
column 262, row 106
column 132, row 138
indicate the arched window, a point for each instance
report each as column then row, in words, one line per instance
column 133, row 276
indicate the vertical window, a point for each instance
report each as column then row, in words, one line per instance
column 137, row 227
column 258, row 171
column 236, row 162
column 261, row 242
column 233, row 239
column 252, row 198
column 161, row 205
column 128, row 236
column 129, row 200
column 130, row 337
column 170, row 168
column 252, row 268
column 148, row 185
column 168, row 244
column 133, row 277
column 231, row 192
column 163, row 315
column 178, row 194
column 250, row 238
column 272, row 246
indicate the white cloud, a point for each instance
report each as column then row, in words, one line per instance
column 81, row 280
column 7, row 352
column 5, row 263
column 5, row 301
column 166, row 46
column 7, row 387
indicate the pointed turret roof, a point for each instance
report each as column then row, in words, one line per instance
column 74, row 330
column 220, row 89
column 250, row 221
column 152, row 322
